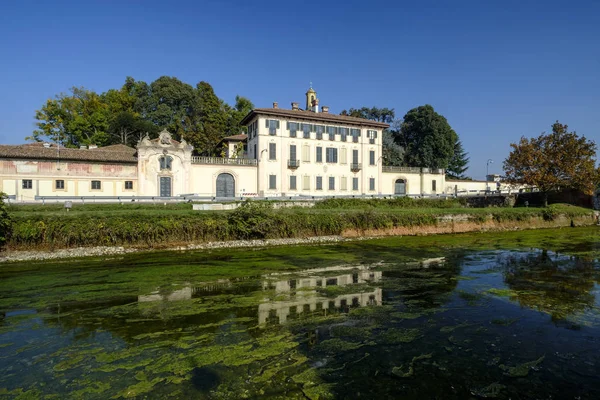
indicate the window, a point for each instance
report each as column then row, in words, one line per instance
column 343, row 155
column 306, row 128
column 306, row 153
column 306, row 182
column 355, row 135
column 272, row 125
column 272, row 151
column 371, row 184
column 372, row 135
column 293, row 152
column 319, row 183
column 27, row 184
column 331, row 183
column 319, row 129
column 354, row 183
column 331, row 131
column 319, row 154
column 128, row 185
column 343, row 183
column 165, row 162
column 272, row 181
column 354, row 156
column 343, row 134
column 59, row 184
column 331, row 155
column 433, row 186
column 371, row 157
column 292, row 127
column 292, row 182
column 254, row 149
column 96, row 185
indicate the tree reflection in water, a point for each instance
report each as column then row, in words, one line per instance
column 549, row 282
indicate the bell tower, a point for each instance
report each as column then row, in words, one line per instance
column 311, row 95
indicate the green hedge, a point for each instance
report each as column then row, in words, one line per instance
column 252, row 220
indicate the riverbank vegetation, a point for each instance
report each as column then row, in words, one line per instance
column 155, row 226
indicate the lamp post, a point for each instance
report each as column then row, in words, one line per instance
column 487, row 172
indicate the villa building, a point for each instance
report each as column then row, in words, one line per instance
column 296, row 152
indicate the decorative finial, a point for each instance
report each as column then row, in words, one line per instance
column 310, row 84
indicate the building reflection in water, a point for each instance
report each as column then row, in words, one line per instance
column 304, row 293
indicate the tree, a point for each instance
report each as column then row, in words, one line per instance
column 73, row 120
column 236, row 113
column 427, row 138
column 127, row 128
column 393, row 154
column 210, row 115
column 555, row 161
column 386, row 115
column 458, row 164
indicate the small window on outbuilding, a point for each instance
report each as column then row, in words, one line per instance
column 96, row 185
column 27, row 184
column 128, row 185
column 59, row 184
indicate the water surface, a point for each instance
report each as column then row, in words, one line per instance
column 511, row 315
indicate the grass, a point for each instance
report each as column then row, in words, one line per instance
column 156, row 225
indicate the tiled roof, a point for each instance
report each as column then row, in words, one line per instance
column 34, row 151
column 240, row 138
column 312, row 116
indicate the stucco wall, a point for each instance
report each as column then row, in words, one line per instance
column 416, row 183
column 204, row 179
column 339, row 171
column 77, row 177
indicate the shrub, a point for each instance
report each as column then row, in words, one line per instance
column 5, row 222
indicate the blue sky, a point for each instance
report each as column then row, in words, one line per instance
column 496, row 70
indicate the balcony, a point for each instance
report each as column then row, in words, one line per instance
column 293, row 164
column 355, row 167
column 411, row 170
column 223, row 161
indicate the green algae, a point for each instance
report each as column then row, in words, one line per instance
column 491, row 391
column 337, row 345
column 521, row 370
column 501, row 292
column 451, row 328
column 397, row 336
column 409, row 370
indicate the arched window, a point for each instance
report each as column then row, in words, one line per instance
column 165, row 162
column 400, row 186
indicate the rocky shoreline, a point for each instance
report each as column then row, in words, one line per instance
column 99, row 251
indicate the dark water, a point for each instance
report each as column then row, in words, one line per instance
column 455, row 317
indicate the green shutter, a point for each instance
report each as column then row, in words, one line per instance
column 266, row 123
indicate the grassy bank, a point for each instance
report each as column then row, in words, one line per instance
column 151, row 226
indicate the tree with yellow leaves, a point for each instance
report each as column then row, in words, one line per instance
column 555, row 161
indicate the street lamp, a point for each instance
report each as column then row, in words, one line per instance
column 487, row 173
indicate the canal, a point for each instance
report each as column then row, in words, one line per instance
column 499, row 315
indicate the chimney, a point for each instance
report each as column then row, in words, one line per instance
column 92, row 146
column 82, row 147
column 325, row 109
column 47, row 145
column 275, row 105
column 295, row 106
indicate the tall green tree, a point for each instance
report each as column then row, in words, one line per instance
column 427, row 138
column 236, row 113
column 210, row 115
column 80, row 118
column 459, row 163
column 393, row 154
column 554, row 161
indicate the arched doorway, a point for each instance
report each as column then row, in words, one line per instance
column 400, row 186
column 225, row 185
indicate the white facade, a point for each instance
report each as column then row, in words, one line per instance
column 287, row 153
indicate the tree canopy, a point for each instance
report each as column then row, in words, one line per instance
column 386, row 115
column 554, row 161
column 427, row 138
column 125, row 115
